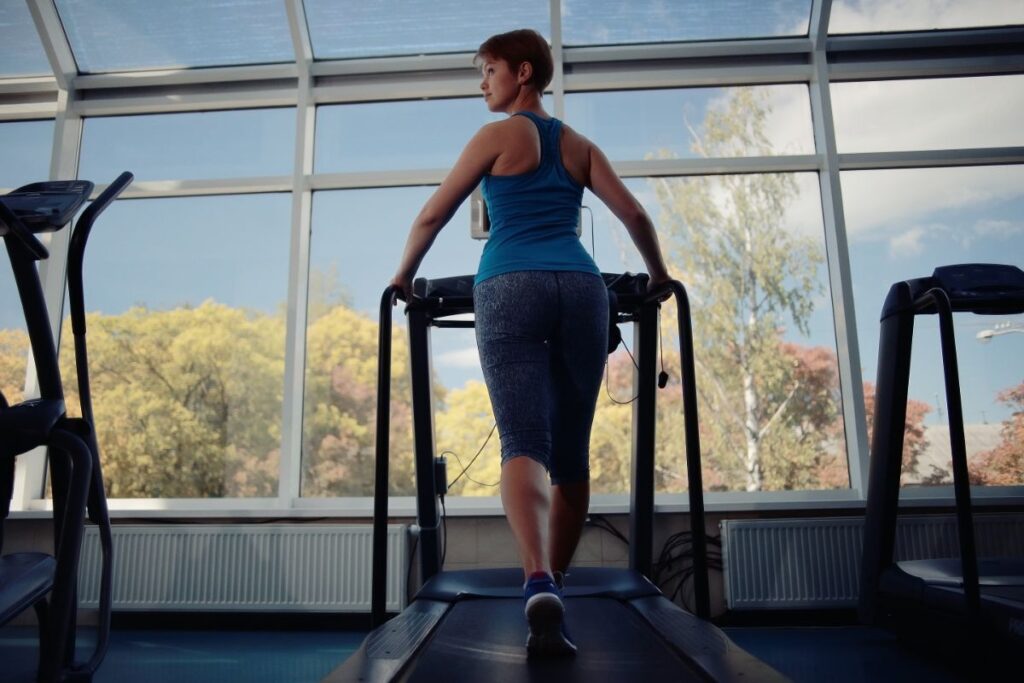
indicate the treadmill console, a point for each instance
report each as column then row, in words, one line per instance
column 47, row 206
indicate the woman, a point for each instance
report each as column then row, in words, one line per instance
column 541, row 308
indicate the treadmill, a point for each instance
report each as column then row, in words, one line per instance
column 27, row 578
column 469, row 625
column 981, row 598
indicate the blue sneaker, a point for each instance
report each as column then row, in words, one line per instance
column 545, row 614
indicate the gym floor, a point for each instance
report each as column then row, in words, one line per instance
column 841, row 654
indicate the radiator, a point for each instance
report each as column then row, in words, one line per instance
column 267, row 568
column 815, row 563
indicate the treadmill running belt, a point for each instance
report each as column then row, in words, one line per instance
column 485, row 640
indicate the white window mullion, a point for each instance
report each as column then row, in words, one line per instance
column 838, row 253
column 558, row 80
column 30, row 473
column 289, row 485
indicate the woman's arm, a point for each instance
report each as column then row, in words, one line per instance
column 610, row 189
column 476, row 160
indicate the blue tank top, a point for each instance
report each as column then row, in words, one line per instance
column 533, row 215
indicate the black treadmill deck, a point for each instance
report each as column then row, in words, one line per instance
column 469, row 626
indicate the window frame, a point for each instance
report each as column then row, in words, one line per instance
column 814, row 61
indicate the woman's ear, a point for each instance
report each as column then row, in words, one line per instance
column 525, row 73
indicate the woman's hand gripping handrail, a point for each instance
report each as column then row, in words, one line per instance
column 662, row 292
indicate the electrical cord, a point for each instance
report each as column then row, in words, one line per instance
column 607, row 388
column 678, row 548
column 465, row 468
column 593, row 243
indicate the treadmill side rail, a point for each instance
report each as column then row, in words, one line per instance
column 390, row 646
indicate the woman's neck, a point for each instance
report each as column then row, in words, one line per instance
column 528, row 102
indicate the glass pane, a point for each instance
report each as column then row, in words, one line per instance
column 388, row 136
column 869, row 16
column 644, row 124
column 219, row 144
column 13, row 337
column 358, row 237
column 26, row 146
column 186, row 344
column 610, row 22
column 352, row 28
column 132, row 35
column 941, row 113
column 901, row 225
column 23, row 54
column 751, row 251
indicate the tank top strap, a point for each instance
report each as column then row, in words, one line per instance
column 550, row 136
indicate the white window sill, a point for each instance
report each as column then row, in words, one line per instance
column 405, row 506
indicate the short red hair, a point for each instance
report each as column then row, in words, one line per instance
column 517, row 47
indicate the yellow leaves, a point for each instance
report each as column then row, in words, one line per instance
column 13, row 359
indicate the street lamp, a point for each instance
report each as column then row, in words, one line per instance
column 999, row 329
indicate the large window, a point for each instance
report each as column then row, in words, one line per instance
column 220, row 144
column 358, row 237
column 864, row 16
column 644, row 124
column 26, row 146
column 902, row 224
column 186, row 345
column 127, row 35
column 939, row 113
column 234, row 289
column 23, row 54
column 353, row 28
column 389, row 136
column 652, row 21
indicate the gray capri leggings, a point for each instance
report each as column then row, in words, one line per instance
column 543, row 340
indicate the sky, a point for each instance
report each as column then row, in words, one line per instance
column 899, row 224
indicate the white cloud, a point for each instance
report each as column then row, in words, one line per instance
column 460, row 358
column 894, row 15
column 928, row 114
column 880, row 201
column 907, row 243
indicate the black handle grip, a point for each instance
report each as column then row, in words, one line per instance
column 76, row 252
column 24, row 235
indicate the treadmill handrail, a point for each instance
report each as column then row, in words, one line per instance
column 97, row 502
column 378, row 595
column 695, row 484
column 958, row 448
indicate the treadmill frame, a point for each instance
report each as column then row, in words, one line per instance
column 433, row 302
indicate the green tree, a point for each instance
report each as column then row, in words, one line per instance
column 340, row 407
column 187, row 402
column 13, row 359
column 748, row 278
column 1004, row 464
column 915, row 437
column 466, row 435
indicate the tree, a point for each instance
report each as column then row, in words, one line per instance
column 340, row 407
column 187, row 402
column 1004, row 464
column 915, row 439
column 748, row 277
column 13, row 360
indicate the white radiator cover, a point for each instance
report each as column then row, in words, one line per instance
column 237, row 568
column 814, row 563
